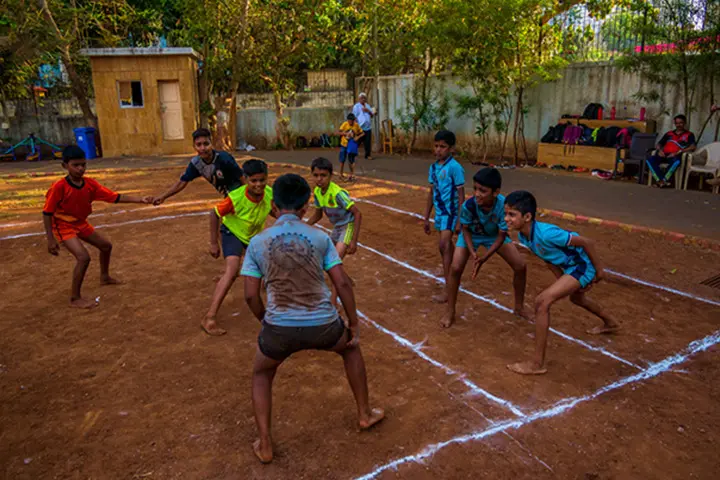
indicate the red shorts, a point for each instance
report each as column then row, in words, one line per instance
column 66, row 230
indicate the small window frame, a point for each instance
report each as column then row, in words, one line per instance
column 142, row 94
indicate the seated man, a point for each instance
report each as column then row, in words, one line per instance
column 670, row 150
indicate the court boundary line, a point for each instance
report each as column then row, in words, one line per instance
column 560, row 407
column 417, row 349
column 639, row 281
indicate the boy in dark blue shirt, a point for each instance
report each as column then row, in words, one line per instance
column 570, row 257
column 219, row 168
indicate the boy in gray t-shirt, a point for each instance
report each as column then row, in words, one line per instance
column 292, row 257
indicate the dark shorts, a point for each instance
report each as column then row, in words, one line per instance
column 231, row 245
column 344, row 154
column 279, row 343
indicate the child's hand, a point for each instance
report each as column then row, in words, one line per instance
column 426, row 227
column 148, row 200
column 599, row 275
column 355, row 339
column 214, row 250
column 479, row 262
column 53, row 246
column 458, row 227
column 352, row 248
column 158, row 201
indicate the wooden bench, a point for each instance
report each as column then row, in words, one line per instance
column 585, row 155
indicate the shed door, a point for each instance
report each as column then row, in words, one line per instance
column 171, row 110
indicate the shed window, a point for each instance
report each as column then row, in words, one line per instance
column 130, row 93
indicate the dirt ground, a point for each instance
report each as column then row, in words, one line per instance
column 134, row 389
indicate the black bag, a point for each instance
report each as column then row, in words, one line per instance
column 591, row 111
column 611, row 134
column 559, row 132
column 301, row 142
column 315, row 142
column 549, row 136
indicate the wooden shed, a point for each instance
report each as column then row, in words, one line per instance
column 146, row 99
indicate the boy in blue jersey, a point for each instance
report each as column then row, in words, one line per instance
column 483, row 225
column 570, row 257
column 446, row 195
column 292, row 257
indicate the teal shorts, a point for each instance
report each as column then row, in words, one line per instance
column 478, row 241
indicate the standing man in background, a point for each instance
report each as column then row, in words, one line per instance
column 364, row 113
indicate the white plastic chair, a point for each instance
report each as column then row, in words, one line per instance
column 712, row 166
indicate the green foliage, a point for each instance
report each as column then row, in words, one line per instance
column 681, row 41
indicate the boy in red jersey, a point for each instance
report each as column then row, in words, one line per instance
column 68, row 203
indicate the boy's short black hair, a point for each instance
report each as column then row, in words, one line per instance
column 201, row 132
column 291, row 192
column 680, row 117
column 445, row 136
column 488, row 177
column 253, row 167
column 522, row 201
column 72, row 152
column 351, row 116
column 321, row 163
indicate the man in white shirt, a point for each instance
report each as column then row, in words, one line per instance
column 364, row 113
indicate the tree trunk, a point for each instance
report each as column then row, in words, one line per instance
column 281, row 132
column 77, row 84
column 224, row 136
column 411, row 144
column 516, row 127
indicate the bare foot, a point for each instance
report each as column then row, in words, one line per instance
column 448, row 319
column 603, row 329
column 527, row 368
column 442, row 298
column 264, row 454
column 110, row 281
column 210, row 326
column 376, row 416
column 82, row 303
column 523, row 312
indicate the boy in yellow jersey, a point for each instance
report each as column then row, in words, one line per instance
column 243, row 215
column 351, row 134
column 336, row 204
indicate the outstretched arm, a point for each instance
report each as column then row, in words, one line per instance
column 252, row 297
column 134, row 199
column 315, row 217
column 177, row 187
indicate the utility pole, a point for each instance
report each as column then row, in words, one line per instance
column 376, row 117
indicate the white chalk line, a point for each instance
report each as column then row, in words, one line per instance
column 664, row 288
column 116, row 212
column 499, row 306
column 560, row 407
column 417, row 349
column 119, row 224
column 612, row 272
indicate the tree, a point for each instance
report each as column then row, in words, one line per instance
column 218, row 30
column 683, row 49
column 286, row 36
